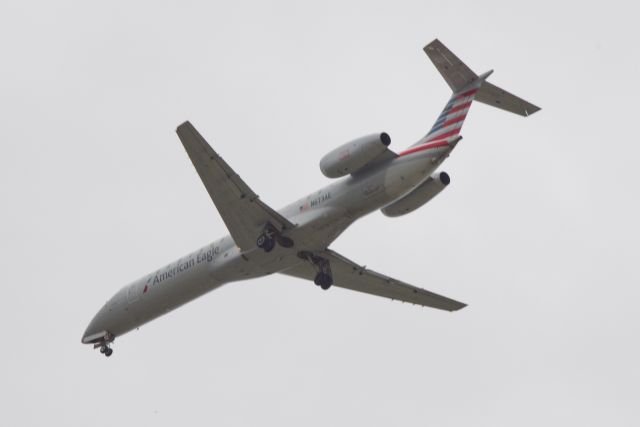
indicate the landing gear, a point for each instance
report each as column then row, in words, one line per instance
column 284, row 241
column 323, row 278
column 270, row 236
column 266, row 242
column 105, row 344
column 106, row 350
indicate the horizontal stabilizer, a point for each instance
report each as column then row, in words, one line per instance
column 492, row 95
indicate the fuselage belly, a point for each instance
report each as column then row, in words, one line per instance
column 320, row 218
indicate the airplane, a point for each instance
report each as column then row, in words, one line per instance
column 295, row 240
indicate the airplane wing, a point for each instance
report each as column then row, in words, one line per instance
column 240, row 208
column 349, row 275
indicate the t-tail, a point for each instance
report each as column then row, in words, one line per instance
column 466, row 87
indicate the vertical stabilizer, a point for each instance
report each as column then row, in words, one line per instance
column 467, row 86
column 451, row 119
column 455, row 72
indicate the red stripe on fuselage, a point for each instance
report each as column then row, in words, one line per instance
column 424, row 147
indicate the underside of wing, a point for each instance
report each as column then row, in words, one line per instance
column 240, row 208
column 347, row 274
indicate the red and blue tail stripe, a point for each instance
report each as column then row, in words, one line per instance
column 452, row 117
column 466, row 86
column 447, row 127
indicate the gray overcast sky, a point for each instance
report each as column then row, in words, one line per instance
column 537, row 232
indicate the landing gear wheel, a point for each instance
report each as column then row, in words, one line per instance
column 285, row 242
column 103, row 349
column 268, row 247
column 108, row 352
column 270, row 236
column 265, row 242
column 323, row 280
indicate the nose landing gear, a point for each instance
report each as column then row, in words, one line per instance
column 105, row 344
column 107, row 351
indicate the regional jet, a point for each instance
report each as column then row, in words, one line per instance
column 295, row 240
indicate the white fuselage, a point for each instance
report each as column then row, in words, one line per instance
column 319, row 218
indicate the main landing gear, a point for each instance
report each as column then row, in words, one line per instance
column 266, row 242
column 270, row 236
column 323, row 278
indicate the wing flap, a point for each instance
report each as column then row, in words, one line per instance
column 240, row 208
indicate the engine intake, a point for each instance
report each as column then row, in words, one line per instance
column 354, row 155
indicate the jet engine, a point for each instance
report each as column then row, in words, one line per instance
column 418, row 196
column 352, row 156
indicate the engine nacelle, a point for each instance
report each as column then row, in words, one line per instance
column 418, row 196
column 352, row 156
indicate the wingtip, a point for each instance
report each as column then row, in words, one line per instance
column 530, row 111
column 183, row 125
column 429, row 45
column 459, row 307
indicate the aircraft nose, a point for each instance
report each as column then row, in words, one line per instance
column 97, row 328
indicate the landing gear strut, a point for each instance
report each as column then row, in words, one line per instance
column 105, row 345
column 323, row 278
column 270, row 236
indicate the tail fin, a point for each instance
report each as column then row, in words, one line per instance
column 466, row 87
column 455, row 72
column 450, row 121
